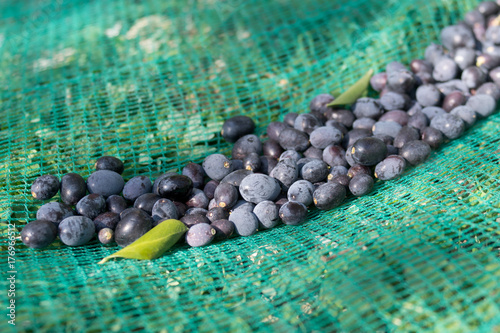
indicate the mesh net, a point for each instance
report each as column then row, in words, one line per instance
column 151, row 83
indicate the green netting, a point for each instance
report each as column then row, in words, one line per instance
column 151, row 82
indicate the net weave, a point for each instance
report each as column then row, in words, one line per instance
column 151, row 82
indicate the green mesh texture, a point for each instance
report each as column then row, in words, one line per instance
column 151, row 83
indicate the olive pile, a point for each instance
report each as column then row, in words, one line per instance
column 319, row 157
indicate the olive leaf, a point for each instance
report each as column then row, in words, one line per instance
column 354, row 92
column 152, row 244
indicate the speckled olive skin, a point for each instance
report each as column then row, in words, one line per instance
column 245, row 222
column 164, row 209
column 76, row 230
column 390, row 168
column 45, row 187
column 200, row 235
column 54, row 212
column 259, row 187
column 217, row 166
column 267, row 213
column 136, row 187
column 291, row 138
column 301, row 191
column 106, row 220
column 91, row 205
column 450, row 125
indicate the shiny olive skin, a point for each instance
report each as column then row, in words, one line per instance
column 131, row 227
column 175, row 187
column 369, row 151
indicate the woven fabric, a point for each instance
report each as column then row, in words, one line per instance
column 151, row 82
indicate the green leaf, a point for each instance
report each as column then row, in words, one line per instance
column 354, row 92
column 153, row 243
